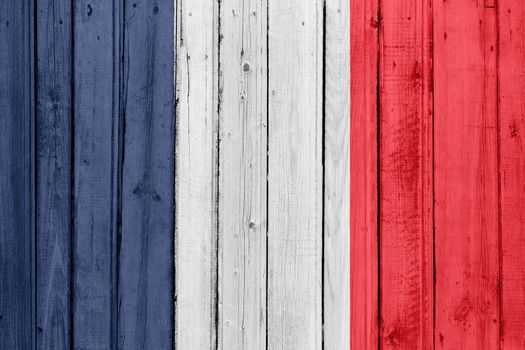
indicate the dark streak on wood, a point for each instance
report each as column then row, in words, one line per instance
column 16, row 168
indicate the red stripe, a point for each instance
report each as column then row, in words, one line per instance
column 451, row 174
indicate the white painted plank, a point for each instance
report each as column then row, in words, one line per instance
column 196, row 173
column 295, row 174
column 242, row 179
column 336, row 284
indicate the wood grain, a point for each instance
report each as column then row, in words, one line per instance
column 104, row 150
column 95, row 173
column 336, row 282
column 511, row 84
column 146, row 267
column 363, row 175
column 242, row 174
column 53, row 198
column 295, row 67
column 405, row 175
column 196, row 174
column 466, row 176
column 16, row 175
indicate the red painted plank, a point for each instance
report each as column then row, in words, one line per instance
column 363, row 198
column 512, row 170
column 466, row 175
column 406, row 248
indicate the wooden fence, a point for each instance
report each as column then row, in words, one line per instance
column 174, row 175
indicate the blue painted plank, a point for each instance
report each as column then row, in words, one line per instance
column 146, row 255
column 53, row 196
column 96, row 75
column 16, row 182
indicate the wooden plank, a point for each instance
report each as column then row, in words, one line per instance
column 466, row 176
column 336, row 283
column 363, row 175
column 242, row 181
column 16, row 179
column 295, row 64
column 146, row 247
column 53, row 197
column 196, row 174
column 511, row 85
column 96, row 52
column 405, row 173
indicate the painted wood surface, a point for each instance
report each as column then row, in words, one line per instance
column 87, row 155
column 16, row 175
column 451, row 175
column 242, row 174
column 466, row 176
column 405, row 175
column 146, row 268
column 295, row 175
column 511, row 84
column 54, row 120
column 363, row 174
column 224, row 176
column 196, row 174
column 336, row 148
column 241, row 210
column 95, row 173
column 223, row 228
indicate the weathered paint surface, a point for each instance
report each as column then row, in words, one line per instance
column 405, row 175
column 448, row 220
column 127, row 228
column 87, row 153
column 95, row 169
column 146, row 270
column 263, row 94
column 363, row 177
column 54, row 142
column 16, row 175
